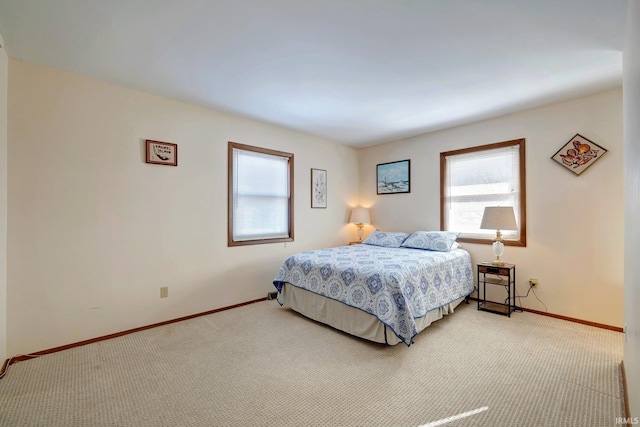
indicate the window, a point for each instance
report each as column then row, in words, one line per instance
column 260, row 195
column 488, row 175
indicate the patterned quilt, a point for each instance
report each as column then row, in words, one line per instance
column 397, row 285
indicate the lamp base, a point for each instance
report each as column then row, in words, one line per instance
column 498, row 250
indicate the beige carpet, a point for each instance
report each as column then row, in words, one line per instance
column 262, row 365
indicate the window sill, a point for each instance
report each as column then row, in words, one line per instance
column 520, row 242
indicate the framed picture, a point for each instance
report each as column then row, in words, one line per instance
column 162, row 153
column 578, row 154
column 394, row 177
column 318, row 188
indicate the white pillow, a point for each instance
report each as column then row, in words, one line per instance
column 431, row 240
column 386, row 239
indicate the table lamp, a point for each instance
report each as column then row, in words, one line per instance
column 360, row 217
column 498, row 218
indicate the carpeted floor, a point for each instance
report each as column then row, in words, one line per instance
column 262, row 365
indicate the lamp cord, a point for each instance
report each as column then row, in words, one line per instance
column 506, row 300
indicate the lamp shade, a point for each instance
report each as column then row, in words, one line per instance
column 498, row 218
column 360, row 216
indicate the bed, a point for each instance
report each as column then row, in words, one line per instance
column 386, row 290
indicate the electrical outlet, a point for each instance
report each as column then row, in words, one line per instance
column 533, row 283
column 164, row 292
column 272, row 295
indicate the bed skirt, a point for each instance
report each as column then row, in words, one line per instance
column 349, row 319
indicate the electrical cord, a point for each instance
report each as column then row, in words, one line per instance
column 506, row 300
column 536, row 295
column 11, row 359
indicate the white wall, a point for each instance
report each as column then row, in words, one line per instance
column 3, row 202
column 574, row 223
column 632, row 205
column 94, row 231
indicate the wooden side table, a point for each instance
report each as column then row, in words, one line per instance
column 497, row 275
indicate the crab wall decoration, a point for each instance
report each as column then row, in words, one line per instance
column 578, row 154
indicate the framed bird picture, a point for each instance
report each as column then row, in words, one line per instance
column 162, row 153
column 578, row 154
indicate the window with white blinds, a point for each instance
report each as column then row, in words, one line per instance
column 473, row 178
column 260, row 195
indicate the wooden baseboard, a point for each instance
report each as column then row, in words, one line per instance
column 567, row 318
column 5, row 366
column 15, row 359
column 572, row 319
column 625, row 392
column 20, row 358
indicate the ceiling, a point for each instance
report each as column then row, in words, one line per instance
column 358, row 72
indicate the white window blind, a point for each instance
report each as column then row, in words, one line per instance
column 478, row 179
column 260, row 196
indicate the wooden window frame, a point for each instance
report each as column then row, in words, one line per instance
column 522, row 220
column 230, row 170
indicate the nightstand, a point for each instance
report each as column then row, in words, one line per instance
column 497, row 275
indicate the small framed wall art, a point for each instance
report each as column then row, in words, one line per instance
column 578, row 154
column 318, row 188
column 162, row 153
column 394, row 177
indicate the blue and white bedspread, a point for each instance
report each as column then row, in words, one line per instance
column 397, row 285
